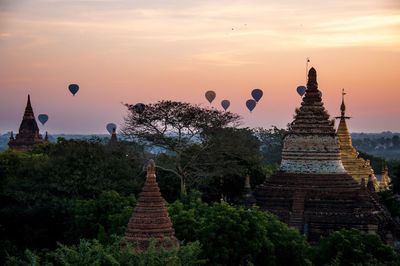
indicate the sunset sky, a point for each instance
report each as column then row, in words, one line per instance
column 145, row 51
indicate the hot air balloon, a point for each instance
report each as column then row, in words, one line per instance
column 301, row 90
column 139, row 108
column 225, row 104
column 73, row 88
column 111, row 127
column 251, row 104
column 210, row 96
column 257, row 94
column 43, row 118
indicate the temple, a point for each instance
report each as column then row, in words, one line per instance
column 28, row 134
column 247, row 199
column 312, row 191
column 113, row 138
column 355, row 166
column 150, row 220
column 385, row 179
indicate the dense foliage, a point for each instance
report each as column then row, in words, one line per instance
column 238, row 236
column 68, row 203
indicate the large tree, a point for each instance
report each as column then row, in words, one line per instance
column 175, row 127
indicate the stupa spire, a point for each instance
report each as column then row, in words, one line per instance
column 28, row 133
column 150, row 220
column 356, row 166
column 311, row 139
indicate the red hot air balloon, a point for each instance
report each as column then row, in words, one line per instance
column 210, row 96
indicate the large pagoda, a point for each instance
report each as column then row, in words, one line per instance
column 312, row 191
column 28, row 134
column 355, row 166
column 150, row 220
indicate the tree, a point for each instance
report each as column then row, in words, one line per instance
column 92, row 252
column 271, row 143
column 351, row 247
column 237, row 236
column 174, row 126
column 229, row 154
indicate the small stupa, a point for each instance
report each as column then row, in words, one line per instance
column 355, row 166
column 312, row 191
column 113, row 138
column 28, row 134
column 385, row 179
column 248, row 200
column 150, row 220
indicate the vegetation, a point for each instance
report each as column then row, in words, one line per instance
column 175, row 126
column 68, row 203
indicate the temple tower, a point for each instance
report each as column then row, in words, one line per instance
column 28, row 134
column 150, row 220
column 355, row 166
column 113, row 138
column 312, row 191
column 385, row 179
column 248, row 199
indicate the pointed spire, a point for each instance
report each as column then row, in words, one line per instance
column 46, row 137
column 28, row 114
column 12, row 136
column 28, row 133
column 150, row 220
column 343, row 106
column 385, row 178
column 312, row 83
column 248, row 198
column 311, row 125
column 114, row 136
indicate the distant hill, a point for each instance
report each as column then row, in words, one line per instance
column 385, row 144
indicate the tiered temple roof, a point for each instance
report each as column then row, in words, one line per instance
column 28, row 134
column 312, row 191
column 150, row 220
column 355, row 166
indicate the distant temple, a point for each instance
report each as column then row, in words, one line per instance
column 385, row 179
column 247, row 199
column 28, row 134
column 113, row 138
column 312, row 191
column 150, row 220
column 355, row 166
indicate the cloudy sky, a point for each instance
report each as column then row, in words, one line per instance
column 144, row 51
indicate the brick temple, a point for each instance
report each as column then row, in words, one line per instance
column 28, row 134
column 150, row 220
column 312, row 191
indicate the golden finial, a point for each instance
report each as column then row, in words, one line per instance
column 343, row 106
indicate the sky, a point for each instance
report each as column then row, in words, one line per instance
column 145, row 51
